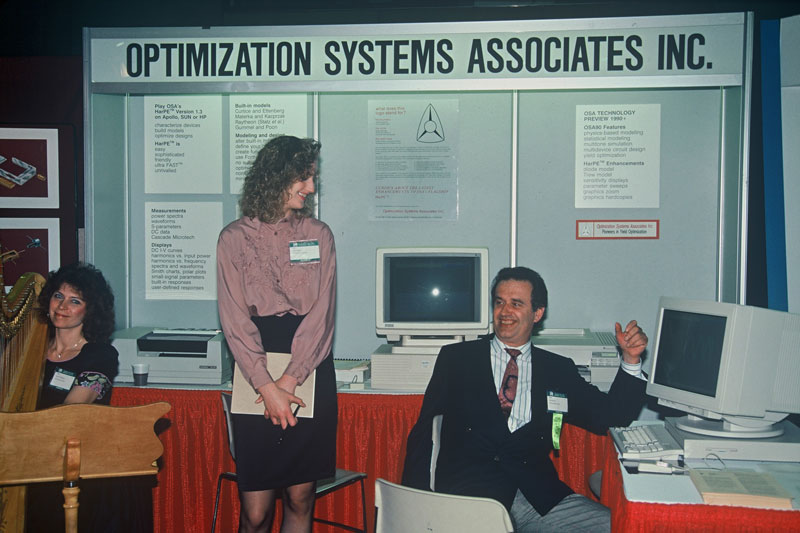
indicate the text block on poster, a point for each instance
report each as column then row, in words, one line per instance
column 617, row 155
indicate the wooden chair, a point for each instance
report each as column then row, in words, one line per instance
column 78, row 441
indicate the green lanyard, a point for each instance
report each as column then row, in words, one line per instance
column 558, row 420
column 557, row 406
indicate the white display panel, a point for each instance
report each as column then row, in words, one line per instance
column 514, row 158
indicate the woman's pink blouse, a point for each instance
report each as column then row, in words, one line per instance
column 255, row 277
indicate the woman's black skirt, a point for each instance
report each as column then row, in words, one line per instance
column 268, row 457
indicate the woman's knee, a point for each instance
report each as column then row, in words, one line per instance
column 299, row 499
column 253, row 519
column 256, row 509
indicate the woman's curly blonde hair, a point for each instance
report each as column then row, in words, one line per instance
column 281, row 162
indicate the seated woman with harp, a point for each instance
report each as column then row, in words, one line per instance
column 80, row 365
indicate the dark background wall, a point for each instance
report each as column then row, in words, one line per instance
column 41, row 67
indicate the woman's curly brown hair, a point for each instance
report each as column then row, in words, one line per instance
column 98, row 322
column 281, row 162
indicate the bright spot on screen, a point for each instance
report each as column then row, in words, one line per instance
column 435, row 291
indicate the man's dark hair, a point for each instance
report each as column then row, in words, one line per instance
column 539, row 290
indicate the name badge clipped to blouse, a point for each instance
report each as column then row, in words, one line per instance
column 304, row 251
column 62, row 380
column 558, row 405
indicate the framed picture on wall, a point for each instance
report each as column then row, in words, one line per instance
column 28, row 245
column 29, row 168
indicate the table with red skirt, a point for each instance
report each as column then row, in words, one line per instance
column 372, row 434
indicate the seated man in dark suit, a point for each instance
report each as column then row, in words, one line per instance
column 503, row 401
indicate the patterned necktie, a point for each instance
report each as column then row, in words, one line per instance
column 508, row 387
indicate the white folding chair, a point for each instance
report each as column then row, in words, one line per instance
column 436, row 439
column 341, row 479
column 402, row 509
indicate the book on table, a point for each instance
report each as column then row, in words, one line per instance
column 746, row 488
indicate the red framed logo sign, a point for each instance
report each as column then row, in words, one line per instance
column 617, row 229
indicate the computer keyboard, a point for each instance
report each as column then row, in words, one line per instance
column 651, row 441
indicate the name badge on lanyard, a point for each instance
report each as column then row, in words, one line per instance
column 556, row 402
column 62, row 380
column 304, row 251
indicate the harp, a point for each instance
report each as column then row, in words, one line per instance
column 22, row 339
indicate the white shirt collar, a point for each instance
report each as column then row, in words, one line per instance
column 499, row 346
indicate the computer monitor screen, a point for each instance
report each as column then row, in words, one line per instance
column 432, row 292
column 433, row 289
column 690, row 351
column 732, row 368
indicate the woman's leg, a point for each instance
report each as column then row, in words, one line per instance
column 298, row 507
column 257, row 510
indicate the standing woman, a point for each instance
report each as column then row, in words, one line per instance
column 276, row 283
column 80, row 366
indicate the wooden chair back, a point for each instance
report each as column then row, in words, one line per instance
column 75, row 441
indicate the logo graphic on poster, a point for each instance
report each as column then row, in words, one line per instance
column 430, row 128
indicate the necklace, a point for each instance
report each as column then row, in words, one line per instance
column 60, row 354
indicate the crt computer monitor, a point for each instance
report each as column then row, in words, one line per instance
column 431, row 292
column 734, row 369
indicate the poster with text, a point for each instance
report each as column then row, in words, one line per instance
column 617, row 155
column 414, row 146
column 180, row 250
column 257, row 118
column 28, row 168
column 183, row 144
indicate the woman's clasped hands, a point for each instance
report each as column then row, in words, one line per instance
column 278, row 398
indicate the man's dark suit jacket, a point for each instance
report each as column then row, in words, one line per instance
column 479, row 456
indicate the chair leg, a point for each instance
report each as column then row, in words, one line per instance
column 216, row 503
column 363, row 506
column 344, row 526
column 230, row 476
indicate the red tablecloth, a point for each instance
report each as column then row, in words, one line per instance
column 371, row 438
column 633, row 517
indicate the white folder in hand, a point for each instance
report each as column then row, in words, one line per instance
column 244, row 397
